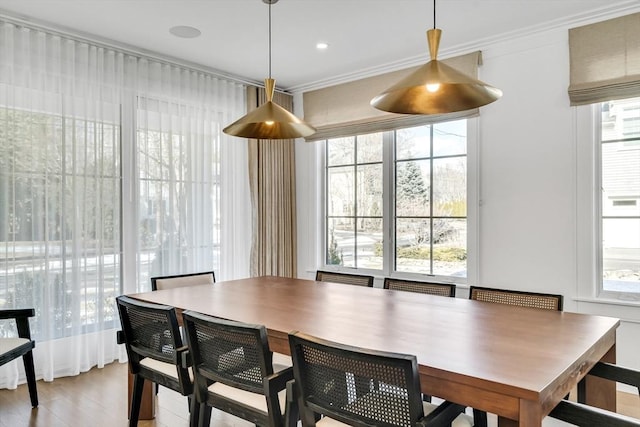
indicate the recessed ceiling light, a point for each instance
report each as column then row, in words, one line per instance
column 184, row 31
column 322, row 45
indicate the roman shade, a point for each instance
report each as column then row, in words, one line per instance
column 344, row 109
column 605, row 60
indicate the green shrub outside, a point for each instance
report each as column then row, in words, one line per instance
column 446, row 254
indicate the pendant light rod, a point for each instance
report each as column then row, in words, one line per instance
column 270, row 120
column 434, row 14
column 270, row 3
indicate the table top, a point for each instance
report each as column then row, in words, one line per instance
column 520, row 352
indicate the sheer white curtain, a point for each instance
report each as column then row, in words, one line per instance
column 193, row 178
column 111, row 165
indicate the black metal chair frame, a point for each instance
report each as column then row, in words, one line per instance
column 168, row 348
column 154, row 280
column 21, row 317
column 582, row 415
column 206, row 374
column 348, row 278
column 431, row 288
column 311, row 404
column 517, row 294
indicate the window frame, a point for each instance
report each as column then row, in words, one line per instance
column 589, row 211
column 388, row 211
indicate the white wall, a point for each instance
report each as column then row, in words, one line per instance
column 530, row 193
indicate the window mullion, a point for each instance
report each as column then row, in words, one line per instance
column 388, row 200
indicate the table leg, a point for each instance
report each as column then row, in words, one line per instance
column 506, row 422
column 599, row 392
column 148, row 404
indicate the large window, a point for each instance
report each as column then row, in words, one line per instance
column 397, row 201
column 60, row 248
column 620, row 197
column 178, row 189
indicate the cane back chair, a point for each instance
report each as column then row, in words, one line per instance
column 346, row 278
column 234, row 371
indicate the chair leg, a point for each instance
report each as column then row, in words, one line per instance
column 194, row 411
column 205, row 415
column 136, row 399
column 291, row 412
column 27, row 359
column 479, row 418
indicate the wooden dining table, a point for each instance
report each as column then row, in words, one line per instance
column 511, row 361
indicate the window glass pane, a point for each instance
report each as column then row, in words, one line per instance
column 369, row 190
column 412, row 188
column 370, row 148
column 340, row 151
column 369, row 243
column 620, row 179
column 340, row 191
column 620, row 183
column 450, row 138
column 450, row 186
column 621, row 119
column 450, row 247
column 340, row 242
column 621, row 254
column 413, row 143
column 413, row 253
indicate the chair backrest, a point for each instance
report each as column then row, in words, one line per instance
column 150, row 330
column 232, row 353
column 182, row 280
column 354, row 385
column 346, row 278
column 431, row 288
column 519, row 298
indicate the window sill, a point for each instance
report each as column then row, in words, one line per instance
column 627, row 300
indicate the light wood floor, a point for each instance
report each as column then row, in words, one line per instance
column 98, row 398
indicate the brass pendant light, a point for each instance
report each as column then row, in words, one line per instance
column 435, row 88
column 269, row 121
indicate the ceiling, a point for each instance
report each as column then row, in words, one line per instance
column 364, row 36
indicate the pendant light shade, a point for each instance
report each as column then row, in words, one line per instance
column 435, row 88
column 269, row 121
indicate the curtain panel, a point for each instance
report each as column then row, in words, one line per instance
column 113, row 167
column 605, row 60
column 273, row 197
column 344, row 109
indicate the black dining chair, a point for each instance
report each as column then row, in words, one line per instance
column 345, row 278
column 431, row 288
column 182, row 280
column 582, row 415
column 519, row 298
column 234, row 370
column 339, row 385
column 20, row 346
column 156, row 353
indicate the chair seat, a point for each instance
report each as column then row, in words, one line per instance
column 462, row 420
column 163, row 367
column 254, row 400
column 17, row 345
column 281, row 361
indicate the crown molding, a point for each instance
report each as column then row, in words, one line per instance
column 595, row 15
